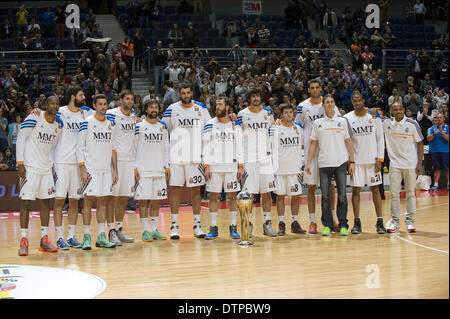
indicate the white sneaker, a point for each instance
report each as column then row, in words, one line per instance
column 393, row 227
column 174, row 232
column 198, row 232
column 410, row 227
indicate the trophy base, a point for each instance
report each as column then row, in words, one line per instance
column 245, row 243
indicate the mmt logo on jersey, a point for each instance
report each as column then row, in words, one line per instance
column 290, row 140
column 102, row 136
column 189, row 122
column 153, row 137
column 258, row 126
column 73, row 126
column 46, row 138
column 226, row 136
column 128, row 127
column 361, row 130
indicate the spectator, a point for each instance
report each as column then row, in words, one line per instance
column 125, row 82
column 33, row 28
column 440, row 98
column 9, row 160
column 358, row 62
column 90, row 19
column 60, row 20
column 100, row 69
column 140, row 45
column 155, row 17
column 300, row 42
column 427, row 84
column 236, row 55
column 13, row 130
column 391, row 39
column 128, row 46
column 336, row 61
column 175, row 36
column 159, row 58
column 183, row 7
column 190, row 36
column 6, row 30
column 22, row 15
column 442, row 74
column 250, row 38
column 378, row 99
column 264, row 36
column 315, row 65
column 412, row 101
column 3, row 127
column 170, row 95
column 346, row 94
column 377, row 39
column 220, row 85
column 36, row 43
column 395, row 98
column 439, row 143
column 143, row 13
column 419, row 12
column 173, row 70
column 82, row 33
column 96, row 33
column 24, row 44
column 330, row 24
column 232, row 33
column 319, row 6
column 48, row 22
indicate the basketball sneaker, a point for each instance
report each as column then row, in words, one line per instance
column 62, row 244
column 344, row 231
column 23, row 250
column 267, row 229
column 146, row 236
column 357, row 227
column 410, row 227
column 124, row 238
column 174, row 232
column 198, row 232
column 73, row 242
column 326, row 231
column 296, row 228
column 86, row 242
column 233, row 232
column 113, row 238
column 157, row 235
column 312, row 228
column 102, row 242
column 393, row 227
column 46, row 245
column 434, row 188
column 281, row 229
column 380, row 227
column 213, row 233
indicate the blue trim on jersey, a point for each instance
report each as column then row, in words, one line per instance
column 268, row 109
column 163, row 124
column 58, row 120
column 86, row 108
column 30, row 120
column 201, row 104
column 27, row 125
column 82, row 129
column 299, row 124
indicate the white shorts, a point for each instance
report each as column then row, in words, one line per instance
column 99, row 185
column 67, row 180
column 365, row 175
column 191, row 174
column 258, row 178
column 314, row 177
column 37, row 186
column 223, row 181
column 290, row 185
column 125, row 184
column 151, row 188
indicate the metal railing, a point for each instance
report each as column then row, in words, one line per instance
column 396, row 58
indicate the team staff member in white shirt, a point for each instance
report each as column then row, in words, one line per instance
column 97, row 158
column 368, row 144
column 331, row 137
column 405, row 149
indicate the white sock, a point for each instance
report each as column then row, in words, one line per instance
column 144, row 223
column 250, row 218
column 24, row 232
column 294, row 218
column 213, row 218
column 44, row 230
column 436, row 184
column 197, row 219
column 59, row 231
column 312, row 217
column 111, row 226
column 174, row 219
column 233, row 218
column 267, row 216
column 72, row 231
column 101, row 228
column 154, row 222
column 281, row 219
column 87, row 229
column 119, row 225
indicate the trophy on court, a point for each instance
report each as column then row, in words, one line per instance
column 245, row 203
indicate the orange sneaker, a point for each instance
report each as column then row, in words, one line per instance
column 23, row 250
column 46, row 245
column 312, row 228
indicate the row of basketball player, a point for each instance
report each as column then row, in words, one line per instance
column 109, row 155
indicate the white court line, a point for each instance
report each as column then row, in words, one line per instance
column 423, row 246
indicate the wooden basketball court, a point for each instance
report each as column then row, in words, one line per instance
column 367, row 265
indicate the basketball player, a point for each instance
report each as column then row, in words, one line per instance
column 97, row 158
column 368, row 145
column 405, row 149
column 223, row 162
column 185, row 121
column 307, row 112
column 124, row 118
column 36, row 141
column 255, row 121
column 287, row 142
column 66, row 171
column 151, row 142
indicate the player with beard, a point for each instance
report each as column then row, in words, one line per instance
column 185, row 121
column 223, row 162
column 36, row 141
column 368, row 144
column 125, row 119
column 151, row 141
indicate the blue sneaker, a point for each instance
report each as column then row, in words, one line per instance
column 434, row 188
column 213, row 233
column 73, row 242
column 233, row 232
column 62, row 244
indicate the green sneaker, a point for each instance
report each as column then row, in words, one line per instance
column 344, row 231
column 86, row 242
column 103, row 242
column 146, row 236
column 157, row 235
column 326, row 231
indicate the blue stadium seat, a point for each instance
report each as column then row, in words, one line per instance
column 201, row 32
column 8, row 44
column 272, row 25
column 161, row 33
column 409, row 36
column 131, row 32
column 4, row 12
column 280, row 33
column 205, row 25
column 169, row 10
column 278, row 41
column 409, row 28
column 220, row 42
column 429, row 28
column 410, row 44
column 50, row 43
column 213, row 33
column 419, row 28
column 147, row 32
column 66, row 44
